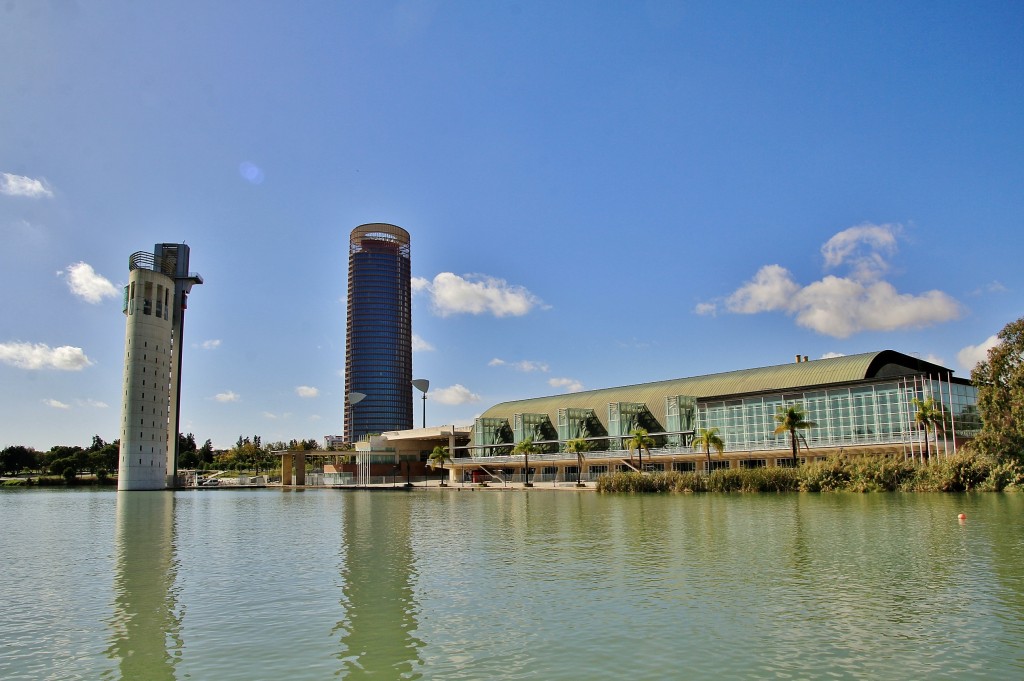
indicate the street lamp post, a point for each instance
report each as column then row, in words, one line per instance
column 362, row 476
column 422, row 385
column 354, row 398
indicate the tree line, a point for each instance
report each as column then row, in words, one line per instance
column 66, row 461
column 100, row 458
column 251, row 454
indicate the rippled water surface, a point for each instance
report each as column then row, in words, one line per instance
column 321, row 584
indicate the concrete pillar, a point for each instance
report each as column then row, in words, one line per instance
column 300, row 469
column 286, row 469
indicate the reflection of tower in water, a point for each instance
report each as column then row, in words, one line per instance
column 145, row 626
column 378, row 630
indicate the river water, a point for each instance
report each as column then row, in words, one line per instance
column 495, row 584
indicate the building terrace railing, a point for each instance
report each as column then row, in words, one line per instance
column 655, row 453
column 141, row 260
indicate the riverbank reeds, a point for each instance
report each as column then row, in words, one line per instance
column 964, row 472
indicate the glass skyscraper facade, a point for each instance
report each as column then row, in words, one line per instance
column 378, row 347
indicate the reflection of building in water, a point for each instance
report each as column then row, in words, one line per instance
column 145, row 626
column 378, row 631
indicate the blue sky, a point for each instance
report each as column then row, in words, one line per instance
column 598, row 193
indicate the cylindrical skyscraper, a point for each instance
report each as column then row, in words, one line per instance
column 154, row 303
column 378, row 339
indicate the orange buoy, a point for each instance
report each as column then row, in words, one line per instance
column 962, row 516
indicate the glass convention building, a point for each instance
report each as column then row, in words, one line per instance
column 378, row 342
column 858, row 403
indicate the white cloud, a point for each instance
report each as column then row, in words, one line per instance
column 456, row 394
column 307, row 391
column 569, row 384
column 211, row 344
column 85, row 283
column 89, row 402
column 770, row 289
column 524, row 365
column 832, row 355
column 705, row 309
column 864, row 248
column 19, row 185
column 420, row 345
column 269, row 416
column 993, row 286
column 56, row 404
column 229, row 396
column 969, row 357
column 476, row 294
column 42, row 356
column 315, row 417
column 842, row 306
column 529, row 366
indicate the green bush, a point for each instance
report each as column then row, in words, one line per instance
column 632, row 482
column 726, row 480
column 879, row 473
column 831, row 475
column 772, row 479
column 1008, row 475
column 688, row 482
column 963, row 472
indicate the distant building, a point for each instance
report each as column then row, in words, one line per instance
column 154, row 305
column 378, row 341
column 334, row 441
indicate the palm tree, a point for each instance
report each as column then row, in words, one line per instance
column 709, row 439
column 929, row 415
column 526, row 447
column 440, row 455
column 640, row 441
column 578, row 446
column 790, row 420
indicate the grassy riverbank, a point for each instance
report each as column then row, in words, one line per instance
column 960, row 473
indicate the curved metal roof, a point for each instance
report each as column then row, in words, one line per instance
column 779, row 378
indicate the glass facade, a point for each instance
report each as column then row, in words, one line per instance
column 378, row 350
column 865, row 414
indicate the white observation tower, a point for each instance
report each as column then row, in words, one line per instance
column 154, row 304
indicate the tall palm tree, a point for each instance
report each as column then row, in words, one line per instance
column 709, row 439
column 928, row 416
column 640, row 441
column 439, row 456
column 790, row 420
column 578, row 446
column 526, row 447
